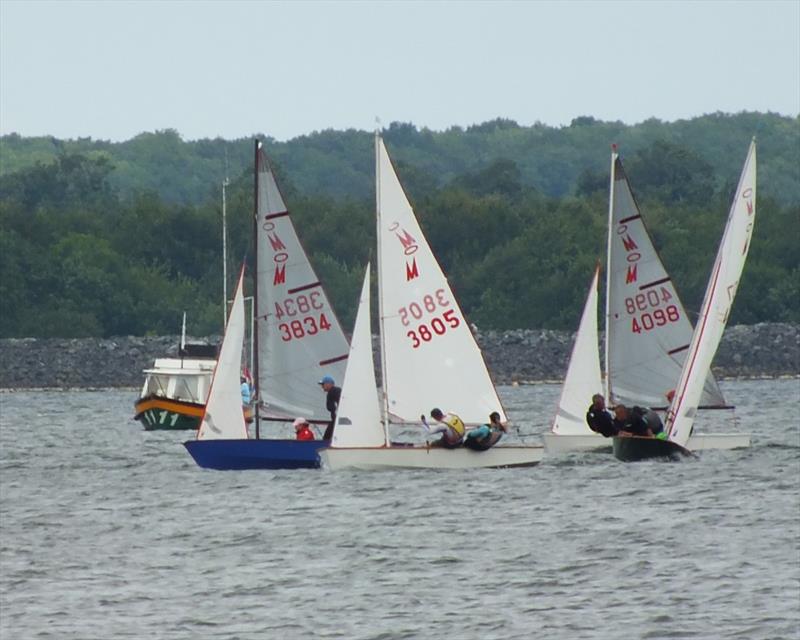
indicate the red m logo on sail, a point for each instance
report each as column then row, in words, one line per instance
column 411, row 270
column 408, row 242
column 631, row 275
column 280, row 274
column 276, row 242
column 628, row 243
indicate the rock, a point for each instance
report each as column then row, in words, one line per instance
column 761, row 350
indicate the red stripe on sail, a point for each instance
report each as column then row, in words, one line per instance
column 270, row 216
column 305, row 287
column 654, row 283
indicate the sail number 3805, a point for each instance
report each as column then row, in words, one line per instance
column 436, row 326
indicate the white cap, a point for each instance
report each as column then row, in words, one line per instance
column 299, row 422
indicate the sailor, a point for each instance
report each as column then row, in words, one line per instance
column 599, row 419
column 629, row 423
column 486, row 436
column 450, row 426
column 328, row 385
column 247, row 393
column 302, row 429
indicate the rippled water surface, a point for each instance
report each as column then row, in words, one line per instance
column 108, row 531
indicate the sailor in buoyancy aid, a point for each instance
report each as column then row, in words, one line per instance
column 449, row 425
column 486, row 436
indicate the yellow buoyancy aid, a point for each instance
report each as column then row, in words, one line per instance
column 455, row 423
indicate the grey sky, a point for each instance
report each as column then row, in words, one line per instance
column 113, row 69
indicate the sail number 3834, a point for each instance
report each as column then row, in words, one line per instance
column 308, row 325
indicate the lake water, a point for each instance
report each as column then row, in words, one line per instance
column 108, row 531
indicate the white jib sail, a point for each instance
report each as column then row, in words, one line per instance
column 717, row 303
column 299, row 337
column 223, row 418
column 647, row 329
column 583, row 378
column 358, row 419
column 430, row 355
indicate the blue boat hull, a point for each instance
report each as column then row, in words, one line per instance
column 228, row 455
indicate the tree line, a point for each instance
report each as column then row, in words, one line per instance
column 80, row 256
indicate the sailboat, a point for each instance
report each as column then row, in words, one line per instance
column 297, row 340
column 429, row 356
column 714, row 314
column 647, row 335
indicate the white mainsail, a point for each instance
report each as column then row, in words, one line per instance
column 223, row 418
column 717, row 303
column 431, row 358
column 647, row 329
column 583, row 378
column 299, row 336
column 358, row 419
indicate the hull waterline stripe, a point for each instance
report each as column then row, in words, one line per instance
column 628, row 219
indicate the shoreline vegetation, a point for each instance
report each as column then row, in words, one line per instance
column 521, row 356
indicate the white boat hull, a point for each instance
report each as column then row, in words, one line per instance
column 556, row 444
column 721, row 441
column 373, row 458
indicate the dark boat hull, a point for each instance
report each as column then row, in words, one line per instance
column 230, row 455
column 635, row 448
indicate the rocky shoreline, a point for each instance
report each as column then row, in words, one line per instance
column 520, row 356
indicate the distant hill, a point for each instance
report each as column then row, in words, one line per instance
column 104, row 239
column 553, row 160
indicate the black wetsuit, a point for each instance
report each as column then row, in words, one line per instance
column 332, row 405
column 601, row 422
column 634, row 424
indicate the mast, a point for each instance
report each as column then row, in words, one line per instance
column 225, row 183
column 255, row 288
column 608, row 268
column 385, row 403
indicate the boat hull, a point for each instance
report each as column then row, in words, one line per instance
column 635, row 448
column 157, row 413
column 409, row 457
column 160, row 413
column 231, row 455
column 554, row 443
column 718, row 441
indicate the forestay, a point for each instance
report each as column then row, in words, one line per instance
column 717, row 303
column 430, row 356
column 647, row 329
column 223, row 418
column 358, row 420
column 299, row 336
column 583, row 378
